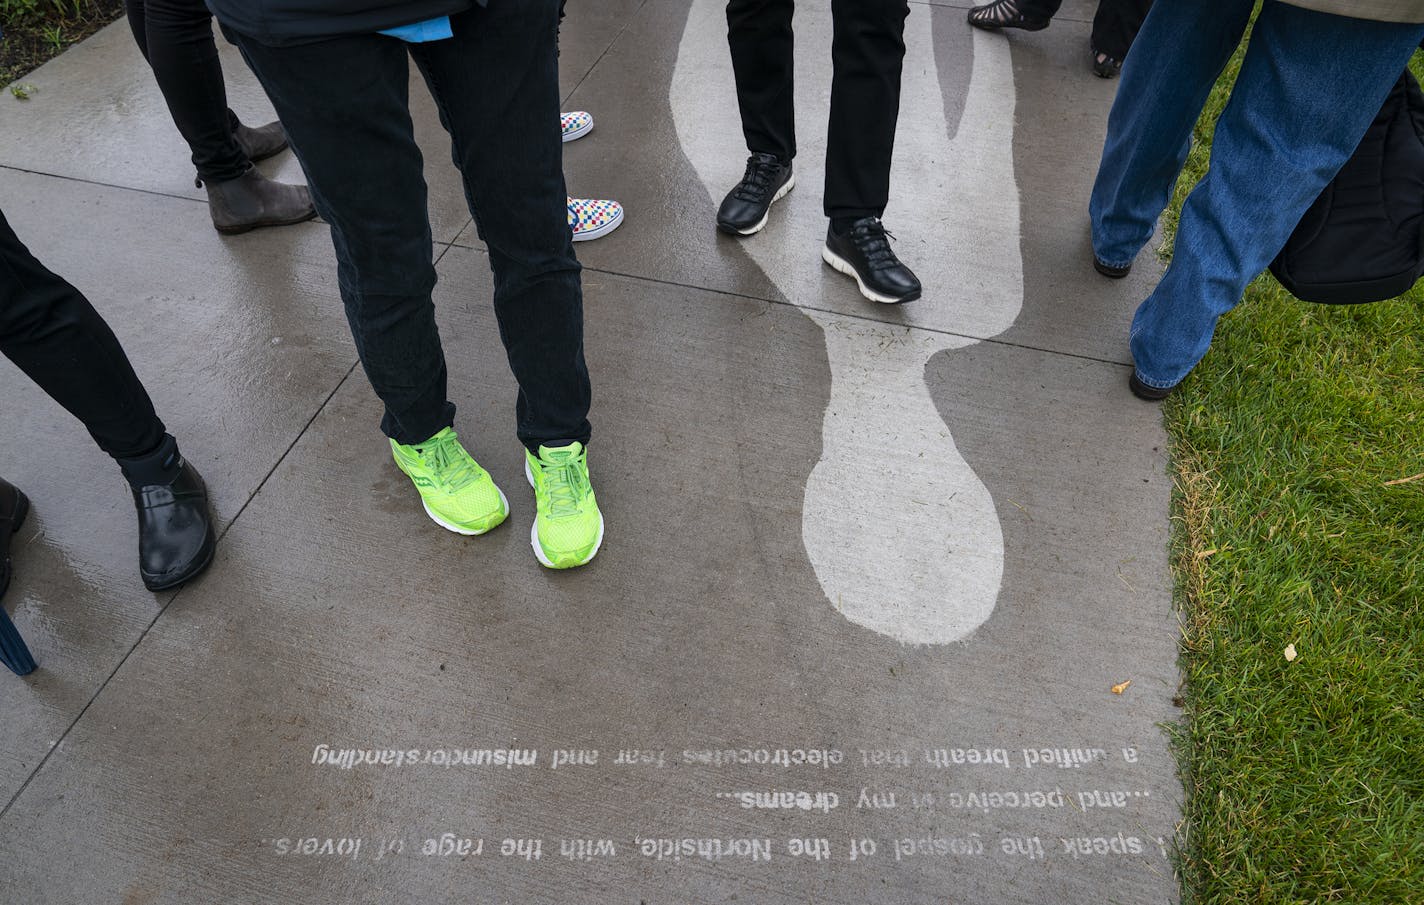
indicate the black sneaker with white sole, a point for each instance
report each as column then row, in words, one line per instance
column 864, row 253
column 745, row 209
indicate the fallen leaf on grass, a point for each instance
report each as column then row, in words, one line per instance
column 1203, row 554
column 1119, row 689
column 1290, row 653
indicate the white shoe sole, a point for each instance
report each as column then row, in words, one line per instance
column 534, row 533
column 450, row 526
column 844, row 266
column 780, row 193
column 576, row 134
column 600, row 232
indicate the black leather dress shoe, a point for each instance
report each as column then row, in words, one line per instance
column 13, row 509
column 747, row 206
column 864, row 253
column 175, row 530
column 261, row 142
column 252, row 201
column 1145, row 391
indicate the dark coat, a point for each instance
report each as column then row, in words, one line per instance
column 280, row 22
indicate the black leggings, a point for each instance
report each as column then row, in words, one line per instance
column 176, row 37
column 52, row 333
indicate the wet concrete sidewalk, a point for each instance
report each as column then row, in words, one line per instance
column 870, row 573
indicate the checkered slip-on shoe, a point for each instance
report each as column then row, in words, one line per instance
column 593, row 219
column 576, row 125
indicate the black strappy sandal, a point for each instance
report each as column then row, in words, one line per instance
column 1104, row 66
column 1004, row 14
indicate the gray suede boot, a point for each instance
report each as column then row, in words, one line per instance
column 252, row 200
column 261, row 142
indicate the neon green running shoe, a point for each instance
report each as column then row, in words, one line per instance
column 457, row 493
column 568, row 528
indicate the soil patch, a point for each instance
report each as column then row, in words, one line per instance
column 38, row 30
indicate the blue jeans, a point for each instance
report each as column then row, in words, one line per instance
column 345, row 107
column 1309, row 86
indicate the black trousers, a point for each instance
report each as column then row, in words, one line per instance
column 868, row 52
column 345, row 105
column 176, row 37
column 52, row 333
column 1115, row 25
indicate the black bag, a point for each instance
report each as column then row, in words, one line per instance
column 1363, row 238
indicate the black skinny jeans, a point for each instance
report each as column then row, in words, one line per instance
column 1115, row 25
column 345, row 104
column 868, row 52
column 52, row 333
column 176, row 37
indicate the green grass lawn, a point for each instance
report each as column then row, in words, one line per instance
column 1296, row 524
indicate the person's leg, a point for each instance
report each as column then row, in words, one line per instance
column 505, row 141
column 496, row 86
column 868, row 53
column 138, row 25
column 52, row 333
column 762, row 47
column 1309, row 86
column 760, row 37
column 1181, row 49
column 1116, row 24
column 256, row 143
column 176, row 38
column 345, row 103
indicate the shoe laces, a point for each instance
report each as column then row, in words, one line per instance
column 873, row 240
column 756, row 182
column 451, row 465
column 564, row 483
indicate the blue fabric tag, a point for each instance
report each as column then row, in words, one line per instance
column 421, row 32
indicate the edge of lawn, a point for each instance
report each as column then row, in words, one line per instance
column 1296, row 524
